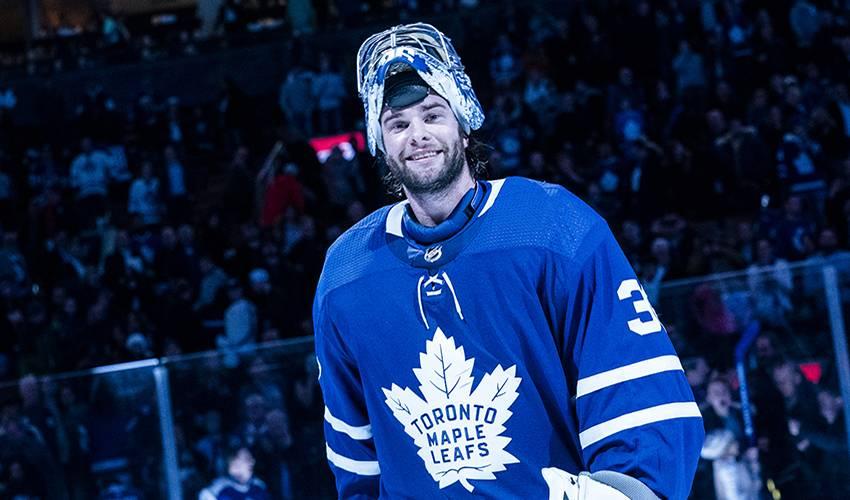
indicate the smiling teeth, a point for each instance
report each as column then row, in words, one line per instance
column 422, row 156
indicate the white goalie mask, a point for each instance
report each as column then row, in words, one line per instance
column 423, row 48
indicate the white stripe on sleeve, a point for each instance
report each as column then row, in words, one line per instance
column 361, row 467
column 359, row 433
column 634, row 419
column 633, row 371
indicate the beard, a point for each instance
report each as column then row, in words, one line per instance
column 433, row 180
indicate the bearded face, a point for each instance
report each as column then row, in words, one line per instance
column 424, row 146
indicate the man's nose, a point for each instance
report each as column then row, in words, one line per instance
column 419, row 132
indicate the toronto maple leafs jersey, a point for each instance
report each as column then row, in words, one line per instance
column 461, row 360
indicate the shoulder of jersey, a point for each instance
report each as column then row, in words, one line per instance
column 545, row 201
column 358, row 236
column 349, row 256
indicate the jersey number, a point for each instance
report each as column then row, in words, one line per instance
column 637, row 325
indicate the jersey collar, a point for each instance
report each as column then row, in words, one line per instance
column 395, row 217
column 433, row 247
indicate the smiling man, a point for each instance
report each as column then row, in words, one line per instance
column 486, row 338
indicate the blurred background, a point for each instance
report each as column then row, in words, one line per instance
column 172, row 172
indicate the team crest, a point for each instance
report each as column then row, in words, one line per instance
column 458, row 430
column 433, row 254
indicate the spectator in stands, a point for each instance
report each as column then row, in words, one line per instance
column 297, row 99
column 302, row 16
column 829, row 253
column 330, row 92
column 138, row 346
column 230, row 16
column 509, row 132
column 735, row 477
column 253, row 418
column 124, row 263
column 688, row 65
column 504, row 64
column 113, row 30
column 828, row 436
column 171, row 261
column 8, row 100
column 769, row 280
column 40, row 410
column 662, row 266
column 14, row 273
column 343, row 179
column 32, row 469
column 213, row 279
column 21, row 481
column 567, row 174
column 282, row 192
column 275, row 453
column 306, row 410
column 90, row 180
column 212, row 443
column 721, row 412
column 7, row 197
column 801, row 403
column 794, row 232
column 265, row 380
column 175, row 133
column 145, row 202
column 800, row 172
column 697, row 371
column 178, row 195
column 233, row 109
column 76, row 460
column 539, row 96
column 805, row 22
column 238, row 200
column 240, row 319
column 186, row 237
column 239, row 482
column 274, row 306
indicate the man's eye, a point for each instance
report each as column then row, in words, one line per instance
column 396, row 126
column 431, row 117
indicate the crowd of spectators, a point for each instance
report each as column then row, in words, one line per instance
column 713, row 135
column 77, row 35
column 244, row 420
column 800, row 446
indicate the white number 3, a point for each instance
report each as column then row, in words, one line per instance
column 640, row 327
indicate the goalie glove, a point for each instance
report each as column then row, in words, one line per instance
column 602, row 485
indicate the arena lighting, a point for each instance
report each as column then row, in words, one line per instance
column 812, row 371
column 324, row 145
column 164, row 19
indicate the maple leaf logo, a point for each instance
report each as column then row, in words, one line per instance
column 458, row 430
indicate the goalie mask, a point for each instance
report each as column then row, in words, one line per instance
column 401, row 66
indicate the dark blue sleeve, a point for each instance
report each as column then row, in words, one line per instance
column 635, row 409
column 348, row 433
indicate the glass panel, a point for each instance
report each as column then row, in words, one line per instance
column 266, row 399
column 80, row 435
column 789, row 371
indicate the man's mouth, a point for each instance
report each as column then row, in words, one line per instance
column 422, row 155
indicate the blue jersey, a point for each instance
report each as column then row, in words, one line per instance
column 514, row 339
